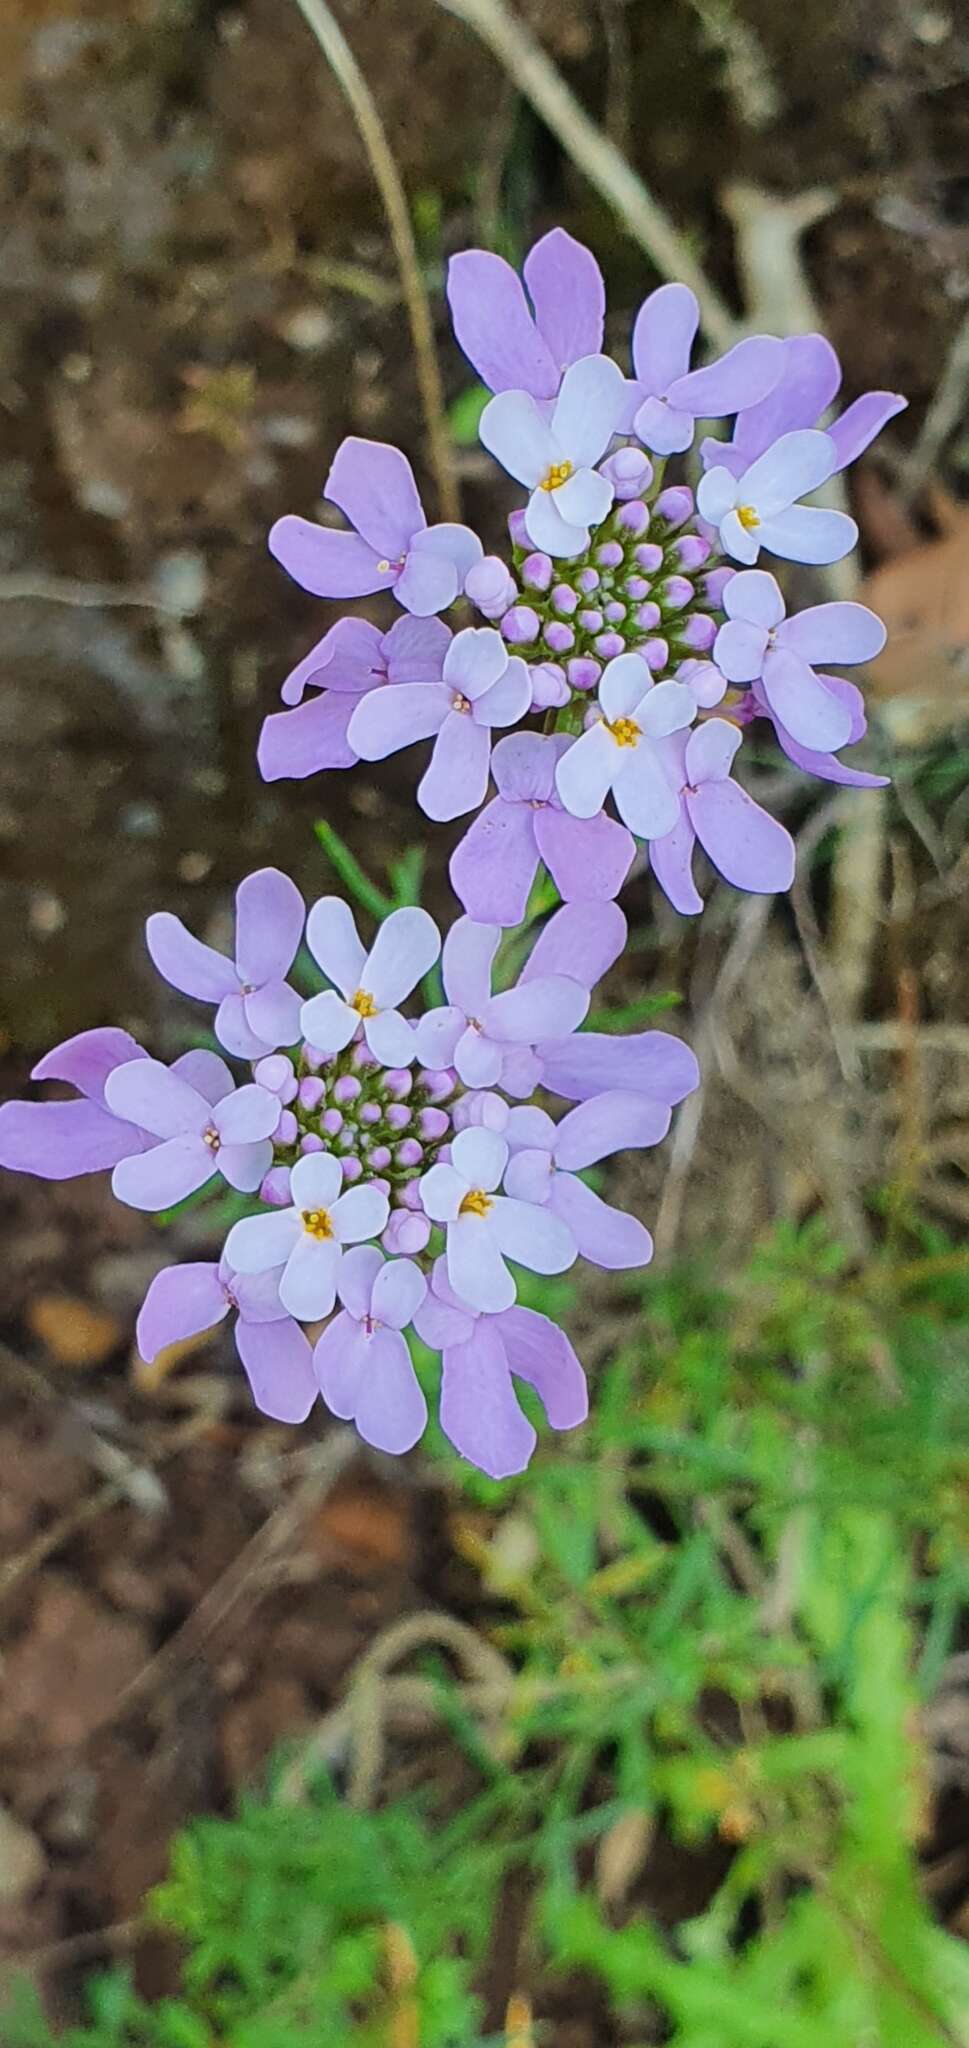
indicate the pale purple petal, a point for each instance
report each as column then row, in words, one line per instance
column 585, row 497
column 414, row 650
column 493, row 326
column 587, row 858
column 809, row 533
column 479, row 1412
column 181, row 1301
column 493, row 867
column 466, row 963
column 325, row 562
column 582, row 940
column 184, row 962
column 234, row 1031
column 662, row 429
column 327, row 1022
column 245, row 1165
column 647, row 1062
column 247, row 1114
column 716, row 495
column 521, row 1071
column 754, row 597
column 710, row 750
column 623, row 684
column 316, row 1181
column 398, row 1290
column 437, row 1035
column 586, row 411
column 269, row 926
column 604, row 1235
column 616, row 1121
column 273, row 1013
column 476, row 1269
column 165, row 1175
column 826, row 766
column 362, row 1212
column 474, row 661
column 311, row 670
column 373, row 484
column 739, row 648
column 439, row 1323
column 478, row 1059
column 259, row 1244
column 453, row 543
column 205, row 1071
column 834, row 632
column 278, row 1362
column 508, row 699
column 528, row 1128
column 539, row 1352
column 545, row 1006
column 860, row 423
column 796, row 464
column 390, row 1410
column 739, row 379
column 406, row 946
column 749, row 847
column 148, row 1094
column 809, row 381
column 392, row 1038
column 358, row 1272
column 663, row 336
column 308, row 1286
column 643, row 796
column 523, row 766
column 517, row 434
column 442, row 1192
column 480, row 1157
column 671, row 859
column 88, row 1058
column 295, row 744
column 60, row 1140
column 256, row 1295
column 529, row 1176
column 348, row 660
column 568, row 295
column 811, row 712
column 738, row 541
column 532, row 1236
column 427, row 584
column 386, row 720
column 666, row 708
column 584, row 775
column 340, row 1360
column 331, row 935
column 549, row 531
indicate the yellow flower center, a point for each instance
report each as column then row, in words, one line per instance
column 363, row 1004
column 476, row 1203
column 556, row 474
column 459, row 703
column 624, row 731
column 316, row 1222
column 749, row 519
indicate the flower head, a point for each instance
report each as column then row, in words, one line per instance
column 484, row 1227
column 664, row 398
column 257, row 1008
column 362, row 1362
column 205, row 1125
column 370, row 985
column 617, row 752
column 481, row 686
column 475, row 1032
column 493, row 868
column 307, row 1239
column 352, row 659
column 760, row 507
column 555, row 456
column 809, row 381
column 512, row 348
column 391, row 547
column 759, row 643
column 748, row 846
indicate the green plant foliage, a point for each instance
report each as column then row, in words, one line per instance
column 721, row 1605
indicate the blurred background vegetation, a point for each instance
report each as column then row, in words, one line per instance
column 667, row 1742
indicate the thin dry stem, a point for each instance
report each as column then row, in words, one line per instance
column 352, row 83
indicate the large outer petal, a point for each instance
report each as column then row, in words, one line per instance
column 548, row 529
column 295, row 744
column 390, row 1411
column 606, row 1236
column 273, row 1013
column 361, row 1213
column 358, row 1272
column 568, row 295
column 650, row 1063
column 508, row 699
column 278, row 1362
column 428, row 583
column 479, row 1156
column 796, row 464
column 373, row 483
column 269, row 926
column 185, row 962
column 398, row 1290
column 754, row 596
column 474, row 661
column 469, row 951
column 810, row 711
column 324, row 561
column 834, row 632
column 60, row 1140
column 584, row 498
column 671, row 859
column 478, row 1059
column 479, row 1412
column 493, row 867
column 392, row 1038
column 331, row 935
column 414, row 650
column 642, row 795
column 88, row 1058
column 623, row 684
column 809, row 380
column 437, row 1035
column 475, row 1266
column 348, row 660
column 384, row 721
column 259, row 1244
column 740, row 647
column 165, row 1175
column 406, row 946
column 663, row 336
column 523, row 765
column 245, row 1165
column 748, row 846
column 587, row 410
column 517, row 434
column 308, row 1286
column 809, row 533
column 585, row 774
column 582, row 940
column 494, row 327
column 545, row 1006
column 327, row 1022
column 442, row 1191
column 234, row 1031
column 740, row 378
column 147, row 1093
column 711, row 749
column 456, row 778
column 617, row 1121
column 860, row 423
column 539, row 1352
column 587, row 858
column 181, row 1301
column 532, row 1235
column 316, row 1181
column 247, row 1114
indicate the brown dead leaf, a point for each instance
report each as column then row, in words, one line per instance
column 373, row 1525
column 920, row 684
column 72, row 1331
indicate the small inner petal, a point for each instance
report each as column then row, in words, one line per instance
column 316, row 1223
column 557, row 473
column 624, row 731
column 476, row 1203
column 363, row 1003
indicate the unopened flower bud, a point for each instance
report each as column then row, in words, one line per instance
column 609, row 555
column 398, row 1116
column 699, row 632
column 370, row 1113
column 588, row 580
column 656, row 654
column 649, row 557
column 362, row 1056
column 380, row 1157
column 537, row 571
column 287, row 1129
column 346, row 1089
column 675, row 504
column 691, row 551
column 489, row 586
column 276, row 1074
column 521, row 626
column 714, row 583
column 433, row 1124
column 648, row 615
column 398, row 1082
column 615, row 612
column 438, row 1082
column 590, row 619
column 351, row 1169
column 637, row 587
column 309, row 1142
column 311, row 1092
column 332, row 1122
column 559, row 637
column 705, row 681
column 634, row 517
column 406, row 1234
column 275, row 1188
column 565, row 599
column 584, row 672
column 517, row 528
column 629, row 471
column 549, row 686
column 676, row 592
column 609, row 645
column 408, row 1153
column 409, row 1196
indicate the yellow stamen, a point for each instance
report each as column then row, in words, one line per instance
column 316, row 1223
column 556, row 474
column 363, row 1004
column 624, row 731
column 749, row 519
column 476, row 1203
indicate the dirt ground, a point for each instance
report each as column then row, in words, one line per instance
column 197, row 299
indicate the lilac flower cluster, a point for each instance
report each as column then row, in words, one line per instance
column 629, row 633
column 391, row 1169
column 396, row 1163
